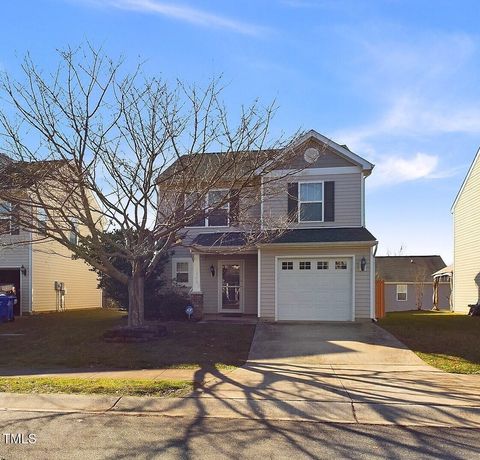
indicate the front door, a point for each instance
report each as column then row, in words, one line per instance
column 230, row 286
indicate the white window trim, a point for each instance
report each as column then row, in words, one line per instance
column 301, row 201
column 406, row 292
column 187, row 260
column 205, row 221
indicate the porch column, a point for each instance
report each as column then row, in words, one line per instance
column 196, row 296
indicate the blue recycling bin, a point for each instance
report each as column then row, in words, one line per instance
column 6, row 307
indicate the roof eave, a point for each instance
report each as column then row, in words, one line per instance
column 469, row 172
column 370, row 243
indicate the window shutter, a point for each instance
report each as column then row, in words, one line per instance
column 293, row 201
column 329, row 190
column 180, row 211
column 234, row 208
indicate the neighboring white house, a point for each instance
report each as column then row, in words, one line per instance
column 42, row 272
column 466, row 237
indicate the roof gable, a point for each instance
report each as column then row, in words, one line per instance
column 475, row 162
column 341, row 150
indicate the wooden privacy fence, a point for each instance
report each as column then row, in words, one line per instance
column 379, row 298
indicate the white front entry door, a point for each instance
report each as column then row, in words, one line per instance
column 230, row 286
column 315, row 289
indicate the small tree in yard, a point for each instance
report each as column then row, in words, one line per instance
column 117, row 291
column 91, row 146
column 420, row 279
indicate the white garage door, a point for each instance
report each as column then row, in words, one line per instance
column 314, row 289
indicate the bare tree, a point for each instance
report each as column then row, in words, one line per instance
column 399, row 252
column 92, row 145
column 420, row 279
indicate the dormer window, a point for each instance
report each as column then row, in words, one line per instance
column 310, row 202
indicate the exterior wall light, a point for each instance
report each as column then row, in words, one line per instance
column 363, row 264
column 212, row 270
column 23, row 270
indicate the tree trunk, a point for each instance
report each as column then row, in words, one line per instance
column 136, row 285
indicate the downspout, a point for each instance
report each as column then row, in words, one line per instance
column 30, row 274
column 373, row 253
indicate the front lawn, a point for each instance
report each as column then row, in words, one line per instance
column 73, row 339
column 444, row 340
column 120, row 387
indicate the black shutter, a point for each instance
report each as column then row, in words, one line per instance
column 180, row 211
column 329, row 190
column 293, row 201
column 234, row 208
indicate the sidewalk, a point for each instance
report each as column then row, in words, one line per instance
column 197, row 408
column 386, row 395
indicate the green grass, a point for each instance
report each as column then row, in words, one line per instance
column 73, row 339
column 445, row 340
column 120, row 387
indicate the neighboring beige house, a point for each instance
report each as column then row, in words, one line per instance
column 466, row 240
column 409, row 282
column 44, row 275
column 321, row 268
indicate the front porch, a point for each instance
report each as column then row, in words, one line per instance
column 225, row 286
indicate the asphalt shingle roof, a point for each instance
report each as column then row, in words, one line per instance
column 313, row 235
column 407, row 268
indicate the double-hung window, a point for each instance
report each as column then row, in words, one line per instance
column 42, row 219
column 401, row 292
column 210, row 211
column 9, row 218
column 181, row 271
column 73, row 236
column 219, row 208
column 310, row 202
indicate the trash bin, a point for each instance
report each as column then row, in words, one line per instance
column 6, row 307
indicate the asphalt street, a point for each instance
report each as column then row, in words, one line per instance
column 114, row 436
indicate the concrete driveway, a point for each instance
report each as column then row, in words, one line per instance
column 355, row 372
column 329, row 343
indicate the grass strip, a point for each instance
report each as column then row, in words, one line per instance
column 107, row 386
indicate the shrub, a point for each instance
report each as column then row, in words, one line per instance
column 168, row 306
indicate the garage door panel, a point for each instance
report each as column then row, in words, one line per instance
column 315, row 294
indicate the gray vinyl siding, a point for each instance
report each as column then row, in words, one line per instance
column 392, row 304
column 267, row 290
column 348, row 200
column 327, row 159
column 466, row 219
column 14, row 256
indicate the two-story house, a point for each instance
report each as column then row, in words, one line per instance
column 42, row 272
column 321, row 267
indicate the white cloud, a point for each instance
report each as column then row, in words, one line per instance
column 182, row 13
column 410, row 116
column 395, row 169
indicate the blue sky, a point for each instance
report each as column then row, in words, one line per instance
column 396, row 80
